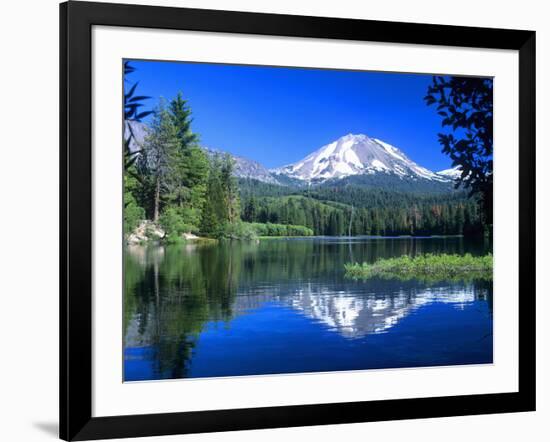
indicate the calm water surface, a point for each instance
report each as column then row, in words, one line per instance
column 284, row 306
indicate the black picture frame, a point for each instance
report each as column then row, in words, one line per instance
column 76, row 21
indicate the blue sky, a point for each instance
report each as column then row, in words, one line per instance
column 277, row 116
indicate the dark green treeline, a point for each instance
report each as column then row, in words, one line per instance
column 367, row 212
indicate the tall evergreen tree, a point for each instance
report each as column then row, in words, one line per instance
column 230, row 188
column 190, row 167
column 159, row 155
column 221, row 207
column 214, row 212
column 250, row 209
column 180, row 113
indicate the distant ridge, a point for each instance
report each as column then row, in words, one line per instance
column 245, row 168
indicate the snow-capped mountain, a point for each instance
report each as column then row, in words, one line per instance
column 357, row 155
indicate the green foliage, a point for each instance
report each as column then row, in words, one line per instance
column 428, row 266
column 181, row 117
column 237, row 231
column 195, row 177
column 250, row 209
column 133, row 213
column 230, row 188
column 466, row 107
column 374, row 213
column 172, row 169
column 174, row 222
column 187, row 186
column 159, row 159
column 222, row 202
column 270, row 229
column 214, row 213
column 173, row 238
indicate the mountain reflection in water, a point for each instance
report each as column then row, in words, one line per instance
column 284, row 306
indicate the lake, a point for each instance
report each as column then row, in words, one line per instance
column 285, row 306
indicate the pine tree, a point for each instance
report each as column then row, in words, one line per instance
column 230, row 189
column 250, row 209
column 159, row 154
column 214, row 211
column 191, row 165
column 180, row 113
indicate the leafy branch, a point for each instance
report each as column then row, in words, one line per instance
column 132, row 112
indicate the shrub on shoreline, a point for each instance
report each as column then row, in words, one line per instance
column 270, row 229
column 236, row 231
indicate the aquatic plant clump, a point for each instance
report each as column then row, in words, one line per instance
column 428, row 267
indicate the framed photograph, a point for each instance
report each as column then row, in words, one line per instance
column 274, row 220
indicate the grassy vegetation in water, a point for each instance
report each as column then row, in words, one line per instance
column 279, row 230
column 426, row 267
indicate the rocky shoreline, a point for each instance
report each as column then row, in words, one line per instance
column 148, row 231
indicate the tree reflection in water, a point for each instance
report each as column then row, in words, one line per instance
column 174, row 293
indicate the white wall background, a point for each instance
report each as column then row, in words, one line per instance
column 29, row 217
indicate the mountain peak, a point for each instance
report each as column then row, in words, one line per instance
column 351, row 136
column 356, row 154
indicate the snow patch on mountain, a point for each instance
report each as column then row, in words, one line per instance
column 452, row 173
column 393, row 151
column 425, row 173
column 379, row 165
